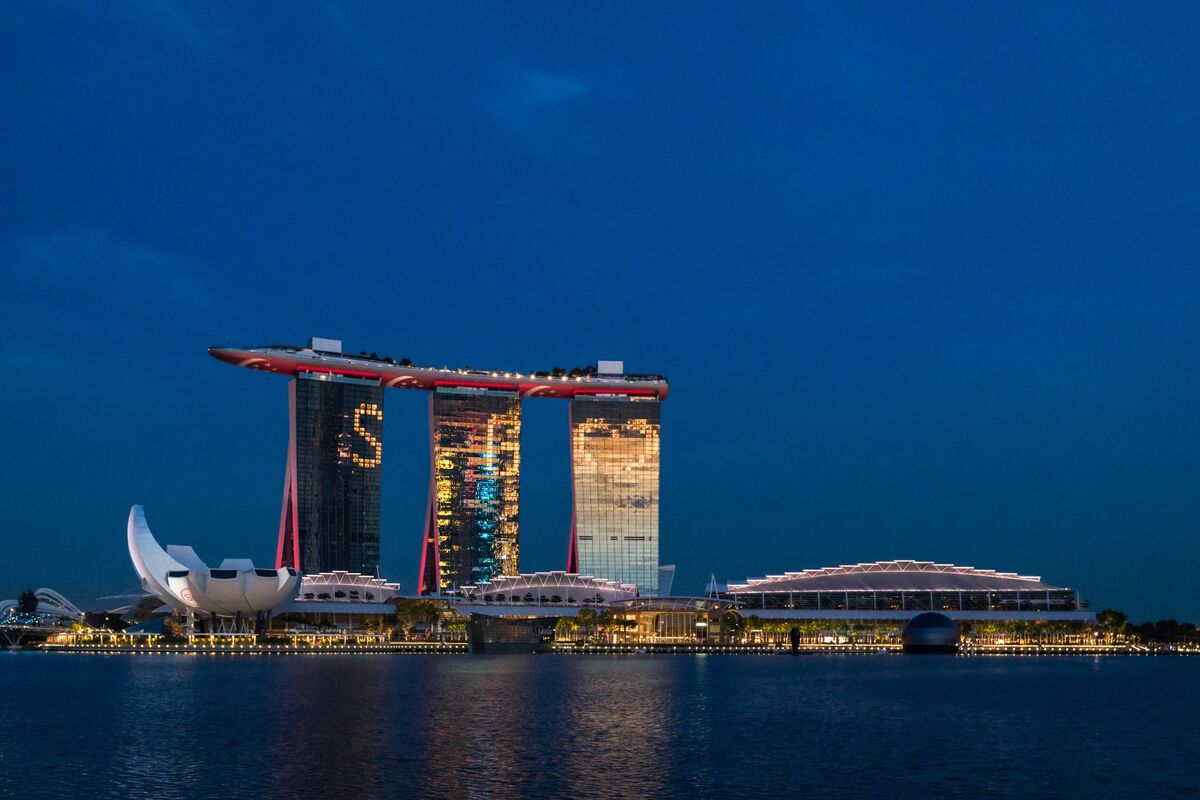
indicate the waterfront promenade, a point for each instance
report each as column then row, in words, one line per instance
column 460, row 648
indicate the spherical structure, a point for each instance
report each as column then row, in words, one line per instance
column 930, row 633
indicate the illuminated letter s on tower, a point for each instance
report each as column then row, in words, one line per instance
column 370, row 410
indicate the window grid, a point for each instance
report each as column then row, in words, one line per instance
column 615, row 445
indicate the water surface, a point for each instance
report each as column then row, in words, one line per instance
column 813, row 726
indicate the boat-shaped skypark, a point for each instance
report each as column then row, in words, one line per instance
column 608, row 377
column 330, row 515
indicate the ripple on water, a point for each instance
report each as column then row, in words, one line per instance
column 184, row 726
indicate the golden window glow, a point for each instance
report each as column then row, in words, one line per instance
column 370, row 410
column 476, row 492
column 615, row 447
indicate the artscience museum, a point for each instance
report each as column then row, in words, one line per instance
column 236, row 597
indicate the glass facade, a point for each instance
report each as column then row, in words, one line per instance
column 330, row 516
column 472, row 533
column 912, row 600
column 615, row 481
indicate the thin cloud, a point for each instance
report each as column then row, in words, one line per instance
column 114, row 309
column 538, row 89
column 173, row 21
column 169, row 21
column 358, row 41
column 528, row 90
column 111, row 276
column 527, row 93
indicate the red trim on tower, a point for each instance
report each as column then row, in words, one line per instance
column 288, row 549
column 429, row 578
column 572, row 537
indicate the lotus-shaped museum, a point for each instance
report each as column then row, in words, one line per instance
column 189, row 586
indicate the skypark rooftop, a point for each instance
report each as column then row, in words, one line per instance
column 608, row 379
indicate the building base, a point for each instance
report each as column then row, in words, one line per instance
column 499, row 635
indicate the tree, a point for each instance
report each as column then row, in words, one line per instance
column 426, row 612
column 586, row 617
column 172, row 630
column 27, row 602
column 604, row 619
column 731, row 623
column 1112, row 620
column 404, row 618
column 565, row 629
column 1165, row 630
column 412, row 612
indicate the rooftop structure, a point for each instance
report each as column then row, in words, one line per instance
column 542, row 593
column 392, row 374
column 894, row 575
column 348, row 587
column 901, row 589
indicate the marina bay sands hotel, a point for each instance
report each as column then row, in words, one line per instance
column 331, row 493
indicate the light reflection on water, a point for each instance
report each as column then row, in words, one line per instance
column 182, row 726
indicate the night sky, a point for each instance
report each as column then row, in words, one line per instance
column 924, row 277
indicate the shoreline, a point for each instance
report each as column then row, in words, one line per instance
column 460, row 648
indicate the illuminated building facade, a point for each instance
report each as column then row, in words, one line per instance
column 615, row 481
column 330, row 515
column 882, row 590
column 473, row 521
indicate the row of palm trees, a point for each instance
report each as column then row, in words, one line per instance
column 589, row 623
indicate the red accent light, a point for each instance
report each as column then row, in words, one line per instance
column 289, row 538
column 425, row 379
column 429, row 580
column 573, row 535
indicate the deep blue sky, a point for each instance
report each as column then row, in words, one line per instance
column 925, row 278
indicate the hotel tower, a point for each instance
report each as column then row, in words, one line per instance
column 615, row 488
column 330, row 515
column 473, row 520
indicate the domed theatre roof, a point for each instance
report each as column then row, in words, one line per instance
column 894, row 576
